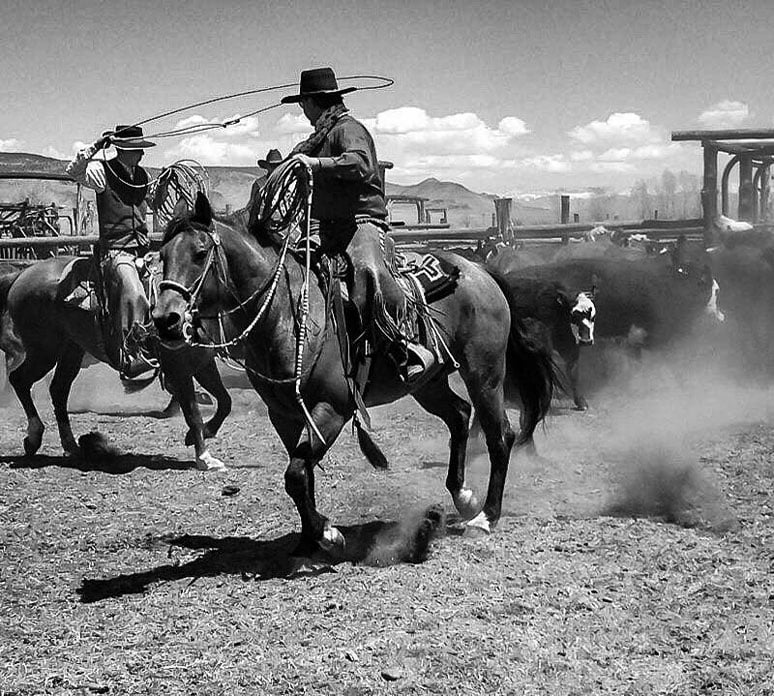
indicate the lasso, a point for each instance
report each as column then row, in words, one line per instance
column 181, row 180
column 286, row 206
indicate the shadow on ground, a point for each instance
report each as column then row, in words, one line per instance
column 374, row 543
column 118, row 464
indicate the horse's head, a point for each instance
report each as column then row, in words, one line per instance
column 189, row 256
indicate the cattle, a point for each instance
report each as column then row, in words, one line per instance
column 563, row 320
column 505, row 258
column 745, row 275
column 661, row 301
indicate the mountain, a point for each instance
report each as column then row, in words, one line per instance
column 468, row 209
column 230, row 188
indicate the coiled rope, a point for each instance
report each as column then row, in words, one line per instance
column 181, row 180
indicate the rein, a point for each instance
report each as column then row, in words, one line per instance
column 301, row 177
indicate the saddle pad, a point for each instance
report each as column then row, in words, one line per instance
column 435, row 275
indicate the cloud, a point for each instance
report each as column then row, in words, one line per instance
column 725, row 114
column 513, row 126
column 619, row 128
column 496, row 156
column 293, row 124
column 208, row 150
column 411, row 129
column 10, row 144
column 581, row 155
column 549, row 163
column 247, row 126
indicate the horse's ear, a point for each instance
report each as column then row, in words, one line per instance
column 181, row 209
column 202, row 210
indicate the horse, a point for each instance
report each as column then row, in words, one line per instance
column 232, row 278
column 40, row 331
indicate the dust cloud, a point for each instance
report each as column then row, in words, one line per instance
column 637, row 451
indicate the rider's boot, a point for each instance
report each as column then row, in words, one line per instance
column 419, row 361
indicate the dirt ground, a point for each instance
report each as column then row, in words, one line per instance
column 634, row 555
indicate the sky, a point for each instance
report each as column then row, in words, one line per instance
column 514, row 97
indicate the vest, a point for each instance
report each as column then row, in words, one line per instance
column 122, row 207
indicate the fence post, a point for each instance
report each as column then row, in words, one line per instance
column 503, row 218
column 565, row 210
column 745, row 188
column 765, row 189
column 709, row 191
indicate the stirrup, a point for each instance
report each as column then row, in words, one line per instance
column 420, row 361
column 137, row 366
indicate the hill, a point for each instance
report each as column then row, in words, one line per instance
column 230, row 187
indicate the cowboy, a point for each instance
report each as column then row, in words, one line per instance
column 273, row 160
column 121, row 185
column 348, row 201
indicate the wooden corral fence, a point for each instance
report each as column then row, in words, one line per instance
column 22, row 221
column 430, row 235
column 752, row 150
column 503, row 230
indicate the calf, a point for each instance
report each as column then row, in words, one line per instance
column 563, row 319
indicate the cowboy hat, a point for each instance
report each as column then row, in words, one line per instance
column 315, row 82
column 273, row 158
column 128, row 138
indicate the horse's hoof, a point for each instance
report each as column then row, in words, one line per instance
column 478, row 527
column 466, row 503
column 31, row 446
column 206, row 462
column 332, row 540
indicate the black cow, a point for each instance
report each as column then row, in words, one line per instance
column 745, row 275
column 649, row 299
column 563, row 320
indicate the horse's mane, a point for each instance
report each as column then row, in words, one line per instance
column 174, row 227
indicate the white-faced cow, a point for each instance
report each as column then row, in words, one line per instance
column 564, row 319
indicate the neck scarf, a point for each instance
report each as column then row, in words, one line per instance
column 323, row 126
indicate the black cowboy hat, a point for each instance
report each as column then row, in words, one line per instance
column 129, row 138
column 314, row 82
column 273, row 157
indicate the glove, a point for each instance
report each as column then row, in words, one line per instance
column 103, row 142
column 312, row 162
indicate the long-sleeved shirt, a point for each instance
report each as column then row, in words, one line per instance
column 348, row 182
column 87, row 171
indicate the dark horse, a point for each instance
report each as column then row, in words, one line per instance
column 224, row 275
column 40, row 332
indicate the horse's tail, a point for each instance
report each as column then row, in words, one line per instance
column 530, row 365
column 10, row 343
column 7, row 279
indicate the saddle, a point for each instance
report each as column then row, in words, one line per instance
column 423, row 278
column 80, row 281
column 81, row 286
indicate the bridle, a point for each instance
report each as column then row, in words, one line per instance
column 268, row 289
column 190, row 294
